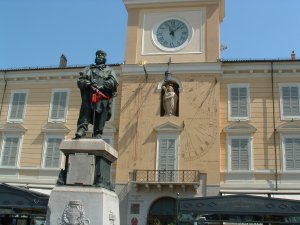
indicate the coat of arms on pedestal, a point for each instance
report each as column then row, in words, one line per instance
column 73, row 214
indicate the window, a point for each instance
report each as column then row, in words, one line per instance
column 167, row 158
column 16, row 111
column 59, row 105
column 289, row 101
column 238, row 102
column 239, row 153
column 52, row 154
column 167, row 151
column 10, row 151
column 291, row 152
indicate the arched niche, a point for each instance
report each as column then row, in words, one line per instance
column 169, row 98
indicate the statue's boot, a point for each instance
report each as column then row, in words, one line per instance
column 79, row 134
column 98, row 136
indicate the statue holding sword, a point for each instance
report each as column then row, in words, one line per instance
column 98, row 85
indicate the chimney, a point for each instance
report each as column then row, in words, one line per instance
column 63, row 61
column 293, row 56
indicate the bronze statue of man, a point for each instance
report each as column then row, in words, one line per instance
column 98, row 85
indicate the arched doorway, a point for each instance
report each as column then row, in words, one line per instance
column 162, row 212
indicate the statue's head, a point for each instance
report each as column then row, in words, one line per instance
column 100, row 57
column 170, row 88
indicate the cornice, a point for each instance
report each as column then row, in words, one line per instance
column 239, row 128
column 13, row 128
column 178, row 68
column 46, row 75
column 289, row 128
column 55, row 128
column 260, row 69
column 169, row 3
column 137, row 3
column 168, row 127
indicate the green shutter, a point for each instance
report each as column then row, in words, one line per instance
column 59, row 105
column 167, row 159
column 240, row 154
column 17, row 106
column 238, row 102
column 292, row 153
column 10, row 151
column 290, row 104
column 52, row 154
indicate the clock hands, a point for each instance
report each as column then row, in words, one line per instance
column 172, row 31
column 177, row 28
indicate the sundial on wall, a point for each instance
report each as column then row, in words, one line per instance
column 201, row 130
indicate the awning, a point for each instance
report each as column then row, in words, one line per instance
column 12, row 197
column 240, row 205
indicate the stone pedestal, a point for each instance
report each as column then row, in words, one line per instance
column 85, row 195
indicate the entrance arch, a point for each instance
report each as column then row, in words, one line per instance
column 162, row 212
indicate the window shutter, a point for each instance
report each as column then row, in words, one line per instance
column 240, row 154
column 167, row 154
column 9, row 154
column 238, row 100
column 292, row 153
column 17, row 106
column 59, row 104
column 290, row 98
column 244, row 155
column 52, row 154
column 167, row 158
column 163, row 148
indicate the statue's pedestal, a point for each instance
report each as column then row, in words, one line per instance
column 83, row 206
column 86, row 196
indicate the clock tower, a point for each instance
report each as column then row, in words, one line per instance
column 185, row 30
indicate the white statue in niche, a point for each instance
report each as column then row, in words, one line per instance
column 169, row 100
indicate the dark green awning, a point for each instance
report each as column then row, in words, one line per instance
column 240, row 205
column 21, row 198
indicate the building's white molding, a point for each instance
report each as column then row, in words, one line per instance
column 45, row 76
column 130, row 3
column 239, row 128
column 289, row 128
column 29, row 181
column 55, row 128
column 176, row 68
column 168, row 127
column 13, row 128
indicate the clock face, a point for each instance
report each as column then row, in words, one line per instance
column 171, row 35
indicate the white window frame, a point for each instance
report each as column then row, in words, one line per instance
column 250, row 139
column 283, row 117
column 13, row 92
column 238, row 118
column 47, row 137
column 163, row 137
column 12, row 135
column 283, row 152
column 67, row 105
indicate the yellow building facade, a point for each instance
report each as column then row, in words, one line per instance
column 235, row 127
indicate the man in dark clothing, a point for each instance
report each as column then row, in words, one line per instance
column 98, row 85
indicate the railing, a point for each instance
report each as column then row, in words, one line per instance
column 166, row 176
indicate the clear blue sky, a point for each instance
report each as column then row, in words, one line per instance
column 34, row 33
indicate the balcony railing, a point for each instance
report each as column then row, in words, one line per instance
column 166, row 176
